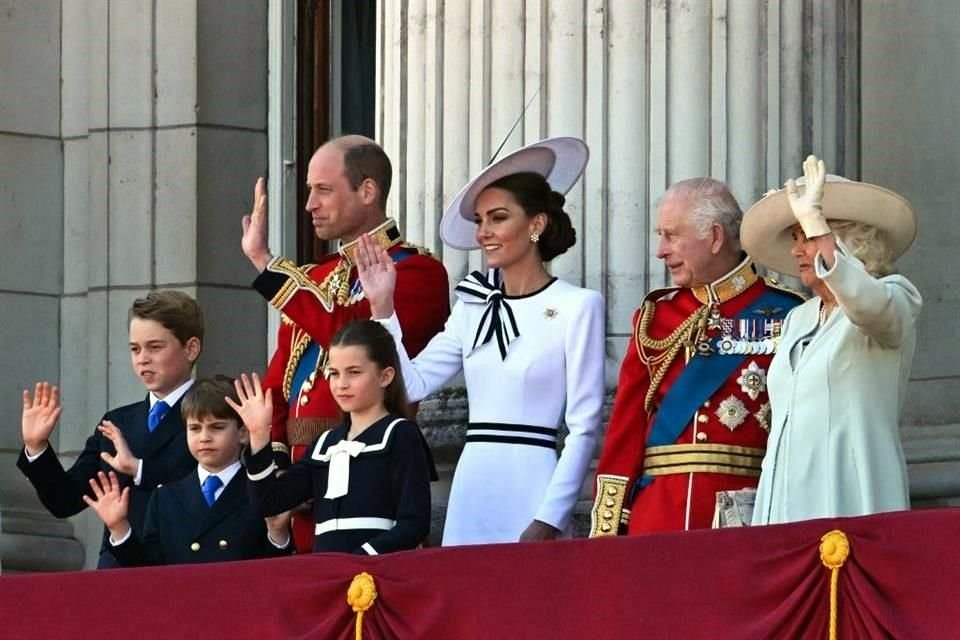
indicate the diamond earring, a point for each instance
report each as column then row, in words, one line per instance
column 534, row 237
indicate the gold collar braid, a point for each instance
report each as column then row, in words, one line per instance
column 336, row 286
column 729, row 286
column 387, row 235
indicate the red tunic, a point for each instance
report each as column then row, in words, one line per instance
column 729, row 428
column 316, row 302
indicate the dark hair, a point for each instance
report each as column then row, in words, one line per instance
column 175, row 310
column 533, row 193
column 380, row 348
column 368, row 160
column 206, row 398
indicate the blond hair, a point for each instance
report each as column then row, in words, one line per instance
column 868, row 244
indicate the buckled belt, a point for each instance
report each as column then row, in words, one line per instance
column 512, row 434
column 703, row 458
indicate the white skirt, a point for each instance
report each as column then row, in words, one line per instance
column 497, row 489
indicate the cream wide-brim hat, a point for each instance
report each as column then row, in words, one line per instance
column 560, row 160
column 766, row 233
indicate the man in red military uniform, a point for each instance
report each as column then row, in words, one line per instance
column 691, row 414
column 349, row 180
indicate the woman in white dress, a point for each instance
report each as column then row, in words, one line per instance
column 838, row 382
column 531, row 348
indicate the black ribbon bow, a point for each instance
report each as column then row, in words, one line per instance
column 498, row 319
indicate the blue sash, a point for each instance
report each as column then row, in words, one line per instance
column 306, row 366
column 702, row 376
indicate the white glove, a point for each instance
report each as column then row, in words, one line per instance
column 807, row 208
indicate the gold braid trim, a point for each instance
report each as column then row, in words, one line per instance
column 298, row 278
column 299, row 341
column 669, row 347
column 608, row 513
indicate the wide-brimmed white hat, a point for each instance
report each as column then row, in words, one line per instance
column 560, row 160
column 766, row 230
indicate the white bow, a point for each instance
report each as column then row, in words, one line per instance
column 497, row 319
column 338, row 476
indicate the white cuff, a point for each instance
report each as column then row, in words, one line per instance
column 263, row 474
column 136, row 478
column 117, row 543
column 278, row 545
column 31, row 458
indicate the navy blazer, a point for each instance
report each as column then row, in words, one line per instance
column 165, row 459
column 389, row 484
column 180, row 528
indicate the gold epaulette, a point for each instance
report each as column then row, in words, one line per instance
column 773, row 283
column 423, row 251
column 609, row 514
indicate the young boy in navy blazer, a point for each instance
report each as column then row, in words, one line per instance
column 144, row 442
column 206, row 516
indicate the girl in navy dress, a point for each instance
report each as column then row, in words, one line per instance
column 369, row 478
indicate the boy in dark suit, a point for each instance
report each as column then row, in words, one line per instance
column 144, row 442
column 206, row 516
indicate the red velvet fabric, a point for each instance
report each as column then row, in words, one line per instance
column 900, row 581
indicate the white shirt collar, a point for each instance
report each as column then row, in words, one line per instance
column 174, row 396
column 226, row 475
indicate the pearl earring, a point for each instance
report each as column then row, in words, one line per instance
column 534, row 237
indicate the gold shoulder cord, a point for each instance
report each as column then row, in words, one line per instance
column 668, row 347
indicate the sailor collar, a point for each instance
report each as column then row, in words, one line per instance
column 318, row 454
column 729, row 286
column 386, row 235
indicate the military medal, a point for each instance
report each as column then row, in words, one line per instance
column 749, row 336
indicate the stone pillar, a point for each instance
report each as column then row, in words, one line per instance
column 44, row 145
column 139, row 128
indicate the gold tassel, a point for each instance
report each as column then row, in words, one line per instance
column 360, row 597
column 834, row 550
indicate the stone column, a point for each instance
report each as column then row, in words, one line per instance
column 44, row 145
column 138, row 129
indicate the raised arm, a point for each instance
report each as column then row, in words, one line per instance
column 884, row 309
column 441, row 359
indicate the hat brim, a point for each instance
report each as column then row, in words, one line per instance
column 560, row 160
column 766, row 232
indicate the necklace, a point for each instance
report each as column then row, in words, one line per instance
column 824, row 313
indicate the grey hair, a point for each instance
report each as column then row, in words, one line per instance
column 711, row 203
column 867, row 244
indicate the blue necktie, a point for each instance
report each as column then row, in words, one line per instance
column 210, row 486
column 157, row 411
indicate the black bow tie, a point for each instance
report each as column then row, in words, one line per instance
column 498, row 319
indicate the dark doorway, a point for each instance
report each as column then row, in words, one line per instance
column 355, row 108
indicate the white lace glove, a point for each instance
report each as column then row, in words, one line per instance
column 807, row 208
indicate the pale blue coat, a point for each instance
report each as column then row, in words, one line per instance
column 834, row 447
